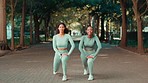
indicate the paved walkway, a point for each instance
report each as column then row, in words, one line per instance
column 34, row 65
column 3, row 52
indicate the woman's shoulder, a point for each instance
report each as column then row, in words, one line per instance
column 83, row 36
column 95, row 37
column 67, row 35
column 55, row 35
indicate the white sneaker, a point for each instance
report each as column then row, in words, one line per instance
column 85, row 72
column 90, row 78
column 64, row 78
column 54, row 72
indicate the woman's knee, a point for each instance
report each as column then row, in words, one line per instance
column 65, row 59
column 90, row 61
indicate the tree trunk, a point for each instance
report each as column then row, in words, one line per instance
column 124, row 24
column 102, row 28
column 31, row 33
column 93, row 22
column 98, row 25
column 45, row 33
column 89, row 19
column 3, row 21
column 3, row 35
column 12, row 25
column 23, row 24
column 31, row 28
column 107, row 30
column 140, row 35
column 139, row 26
column 46, row 21
column 37, row 34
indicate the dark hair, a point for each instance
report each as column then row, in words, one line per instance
column 89, row 26
column 65, row 30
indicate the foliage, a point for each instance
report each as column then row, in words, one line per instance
column 74, row 11
column 69, row 15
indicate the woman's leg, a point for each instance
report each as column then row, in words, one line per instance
column 90, row 63
column 64, row 67
column 84, row 63
column 64, row 64
column 56, row 63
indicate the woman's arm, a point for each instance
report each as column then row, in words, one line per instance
column 54, row 45
column 98, row 46
column 72, row 44
column 81, row 45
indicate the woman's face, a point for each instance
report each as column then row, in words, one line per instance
column 89, row 31
column 61, row 28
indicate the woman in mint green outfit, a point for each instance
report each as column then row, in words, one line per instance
column 60, row 43
column 89, row 47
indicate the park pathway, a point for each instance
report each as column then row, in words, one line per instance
column 34, row 65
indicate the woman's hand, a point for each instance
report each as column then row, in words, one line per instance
column 90, row 56
column 64, row 54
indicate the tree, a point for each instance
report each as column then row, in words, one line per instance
column 31, row 22
column 140, row 8
column 102, row 27
column 3, row 38
column 23, row 24
column 3, row 21
column 13, row 4
column 106, row 10
column 124, row 24
column 41, row 11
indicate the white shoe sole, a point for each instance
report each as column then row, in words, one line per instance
column 90, row 78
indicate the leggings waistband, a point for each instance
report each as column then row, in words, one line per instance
column 62, row 48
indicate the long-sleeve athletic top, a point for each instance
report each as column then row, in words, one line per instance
column 62, row 42
column 87, row 46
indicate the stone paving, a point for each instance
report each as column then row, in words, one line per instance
column 34, row 65
column 3, row 52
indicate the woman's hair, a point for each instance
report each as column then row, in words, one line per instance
column 89, row 26
column 65, row 30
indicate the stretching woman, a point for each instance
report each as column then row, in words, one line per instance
column 60, row 43
column 89, row 51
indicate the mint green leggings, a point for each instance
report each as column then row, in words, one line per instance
column 57, row 60
column 87, row 63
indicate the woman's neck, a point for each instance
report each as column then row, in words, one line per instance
column 89, row 36
column 61, row 34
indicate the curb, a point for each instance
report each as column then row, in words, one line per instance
column 131, row 51
column 2, row 53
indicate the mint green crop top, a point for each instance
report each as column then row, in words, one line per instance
column 89, row 44
column 62, row 42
